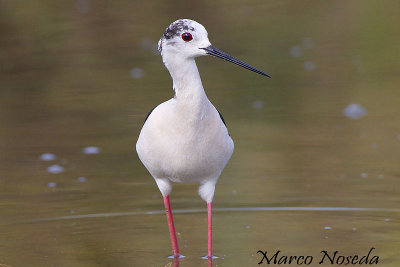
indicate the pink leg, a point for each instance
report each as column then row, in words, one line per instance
column 209, row 229
column 171, row 227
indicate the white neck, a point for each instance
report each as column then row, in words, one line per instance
column 186, row 79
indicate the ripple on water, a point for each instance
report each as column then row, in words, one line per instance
column 55, row 169
column 47, row 157
column 354, row 111
column 173, row 257
column 307, row 43
column 249, row 209
column 81, row 179
column 296, row 51
column 52, row 184
column 137, row 73
column 91, row 150
column 148, row 44
column 258, row 104
column 309, row 66
column 212, row 257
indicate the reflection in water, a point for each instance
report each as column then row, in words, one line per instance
column 174, row 263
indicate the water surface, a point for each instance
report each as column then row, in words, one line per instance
column 78, row 78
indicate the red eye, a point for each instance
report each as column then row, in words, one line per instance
column 187, row 37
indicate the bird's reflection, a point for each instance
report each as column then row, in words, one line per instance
column 176, row 262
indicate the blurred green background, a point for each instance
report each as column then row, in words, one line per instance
column 75, row 74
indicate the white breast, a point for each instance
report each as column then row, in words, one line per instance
column 185, row 143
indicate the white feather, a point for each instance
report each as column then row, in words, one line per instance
column 184, row 139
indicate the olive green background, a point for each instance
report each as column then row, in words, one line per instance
column 85, row 73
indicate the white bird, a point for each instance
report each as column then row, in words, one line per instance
column 185, row 140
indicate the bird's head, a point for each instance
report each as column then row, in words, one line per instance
column 188, row 39
column 184, row 38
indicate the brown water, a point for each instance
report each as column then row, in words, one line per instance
column 79, row 74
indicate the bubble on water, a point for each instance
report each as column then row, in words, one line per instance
column 258, row 104
column 327, row 228
column 52, row 184
column 309, row 66
column 296, row 51
column 364, row 175
column 380, row 176
column 82, row 6
column 354, row 228
column 354, row 111
column 91, row 150
column 137, row 73
column 248, row 226
column 307, row 43
column 81, row 179
column 234, row 191
column 47, row 157
column 55, row 168
column 387, row 219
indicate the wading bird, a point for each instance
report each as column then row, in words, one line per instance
column 185, row 139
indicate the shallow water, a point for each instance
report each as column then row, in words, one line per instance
column 308, row 173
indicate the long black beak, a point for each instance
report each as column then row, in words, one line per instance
column 212, row 51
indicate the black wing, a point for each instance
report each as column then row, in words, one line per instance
column 148, row 114
column 222, row 118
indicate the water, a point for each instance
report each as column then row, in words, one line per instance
column 303, row 177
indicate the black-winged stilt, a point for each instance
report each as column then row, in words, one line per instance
column 185, row 139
